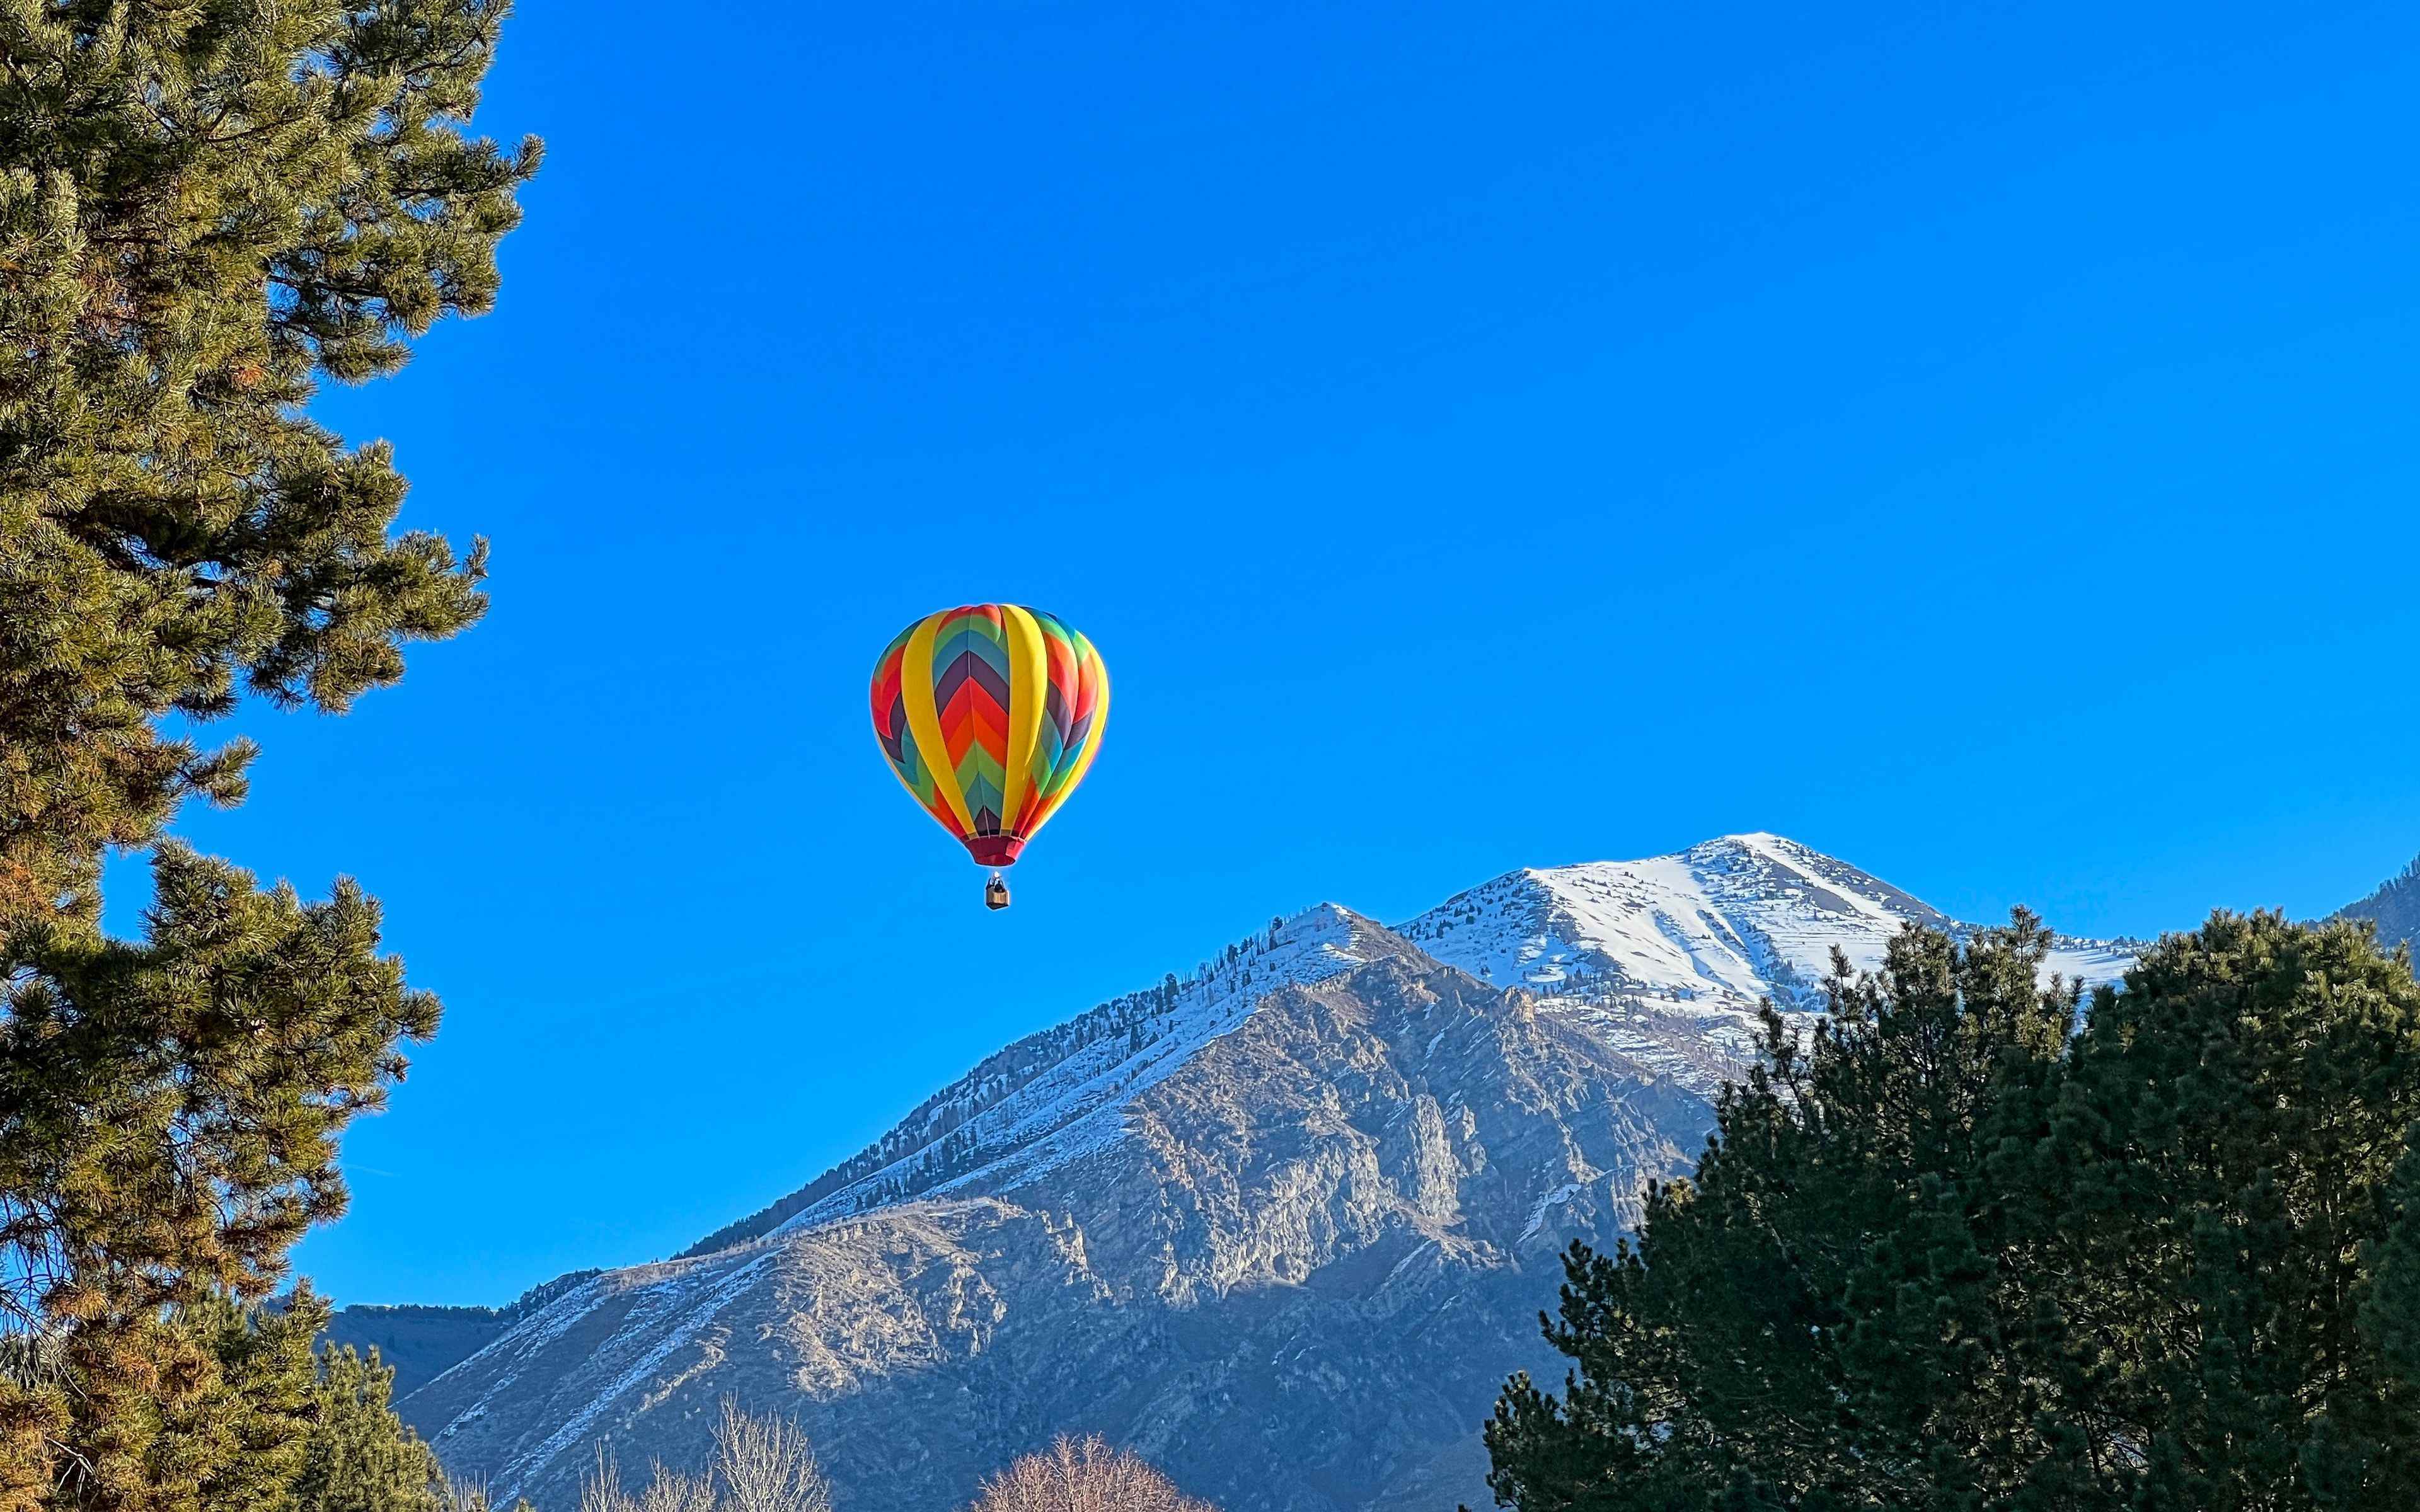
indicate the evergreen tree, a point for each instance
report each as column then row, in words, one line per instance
column 359, row 1455
column 2220, row 1158
column 205, row 207
column 1945, row 1256
column 242, row 1437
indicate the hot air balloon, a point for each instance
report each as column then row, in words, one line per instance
column 989, row 715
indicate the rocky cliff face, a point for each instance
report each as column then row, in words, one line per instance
column 1283, row 1227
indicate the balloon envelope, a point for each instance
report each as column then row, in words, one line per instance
column 989, row 715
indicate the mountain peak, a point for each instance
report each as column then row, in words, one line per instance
column 1757, row 839
column 1181, row 1210
column 1688, row 945
column 1742, row 916
column 1705, row 933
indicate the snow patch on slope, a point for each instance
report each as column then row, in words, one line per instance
column 1729, row 922
column 1740, row 917
column 1667, row 959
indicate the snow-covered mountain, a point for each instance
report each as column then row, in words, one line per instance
column 1732, row 920
column 1284, row 1226
column 1675, row 953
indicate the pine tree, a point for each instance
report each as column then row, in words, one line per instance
column 2219, row 1157
column 359, row 1455
column 244, row 1435
column 205, row 207
column 1946, row 1255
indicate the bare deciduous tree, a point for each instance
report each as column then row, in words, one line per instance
column 1083, row 1475
column 467, row 1495
column 600, row 1489
column 767, row 1464
column 761, row 1464
column 668, row 1493
column 666, row 1490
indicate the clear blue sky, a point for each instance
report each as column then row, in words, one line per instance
column 1976, row 440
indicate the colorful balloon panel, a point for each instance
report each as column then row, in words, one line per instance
column 989, row 715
